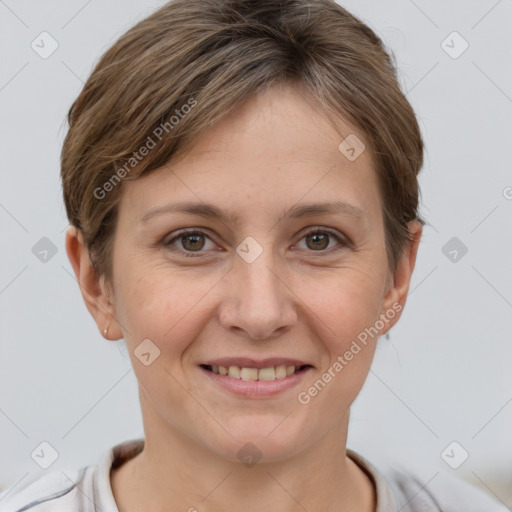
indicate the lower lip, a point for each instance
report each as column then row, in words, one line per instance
column 256, row 388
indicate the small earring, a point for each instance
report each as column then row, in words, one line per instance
column 105, row 331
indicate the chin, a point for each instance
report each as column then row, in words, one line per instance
column 261, row 439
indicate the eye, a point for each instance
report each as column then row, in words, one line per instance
column 318, row 240
column 191, row 242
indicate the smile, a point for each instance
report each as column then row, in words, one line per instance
column 253, row 374
column 255, row 379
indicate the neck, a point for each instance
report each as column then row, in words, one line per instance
column 174, row 473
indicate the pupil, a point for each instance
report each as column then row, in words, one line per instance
column 196, row 242
column 322, row 238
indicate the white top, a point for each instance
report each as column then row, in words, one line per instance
column 89, row 489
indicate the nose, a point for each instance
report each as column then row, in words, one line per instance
column 258, row 301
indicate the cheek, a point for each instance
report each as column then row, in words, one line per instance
column 166, row 307
column 349, row 345
column 345, row 311
column 344, row 305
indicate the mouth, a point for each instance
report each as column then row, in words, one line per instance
column 247, row 374
column 247, row 378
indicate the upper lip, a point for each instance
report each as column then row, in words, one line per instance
column 248, row 362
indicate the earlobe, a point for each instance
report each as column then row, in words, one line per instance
column 92, row 286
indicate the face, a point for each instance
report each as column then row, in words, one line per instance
column 219, row 262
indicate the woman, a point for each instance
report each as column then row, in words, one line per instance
column 241, row 183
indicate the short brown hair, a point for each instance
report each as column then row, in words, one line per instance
column 211, row 55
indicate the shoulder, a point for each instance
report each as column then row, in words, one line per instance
column 401, row 489
column 86, row 489
column 441, row 492
column 58, row 490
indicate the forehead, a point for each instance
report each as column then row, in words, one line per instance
column 274, row 151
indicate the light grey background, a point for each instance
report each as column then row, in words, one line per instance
column 443, row 376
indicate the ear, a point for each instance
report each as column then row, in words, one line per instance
column 96, row 294
column 399, row 281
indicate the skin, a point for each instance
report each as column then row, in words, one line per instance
column 297, row 300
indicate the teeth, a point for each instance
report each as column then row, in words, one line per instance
column 248, row 373
column 281, row 371
column 251, row 374
column 266, row 374
column 234, row 372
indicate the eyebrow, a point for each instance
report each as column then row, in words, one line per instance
column 211, row 211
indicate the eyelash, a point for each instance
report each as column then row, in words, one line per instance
column 194, row 254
